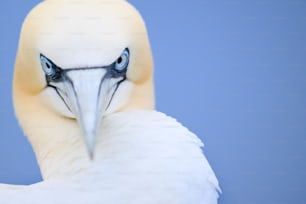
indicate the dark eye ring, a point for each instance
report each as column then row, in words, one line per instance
column 123, row 61
column 47, row 66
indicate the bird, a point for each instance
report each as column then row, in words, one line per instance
column 84, row 96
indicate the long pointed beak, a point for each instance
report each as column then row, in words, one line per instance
column 88, row 97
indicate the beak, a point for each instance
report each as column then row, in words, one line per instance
column 88, row 94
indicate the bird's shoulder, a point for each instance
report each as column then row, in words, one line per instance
column 151, row 124
column 163, row 146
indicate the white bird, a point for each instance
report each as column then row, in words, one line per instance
column 83, row 94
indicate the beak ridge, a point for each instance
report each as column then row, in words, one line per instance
column 85, row 91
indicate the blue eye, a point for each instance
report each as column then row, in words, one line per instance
column 47, row 66
column 123, row 61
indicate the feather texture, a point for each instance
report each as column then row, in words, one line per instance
column 142, row 157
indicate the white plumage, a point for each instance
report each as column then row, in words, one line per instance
column 144, row 157
column 140, row 156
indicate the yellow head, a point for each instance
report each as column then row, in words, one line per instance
column 79, row 60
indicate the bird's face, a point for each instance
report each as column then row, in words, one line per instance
column 84, row 60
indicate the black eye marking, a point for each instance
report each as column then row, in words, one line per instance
column 52, row 71
column 119, row 67
column 55, row 75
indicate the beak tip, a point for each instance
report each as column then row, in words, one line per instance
column 91, row 152
column 91, row 156
column 90, row 140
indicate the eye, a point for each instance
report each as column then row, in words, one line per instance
column 47, row 66
column 123, row 61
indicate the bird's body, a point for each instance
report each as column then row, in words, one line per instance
column 150, row 159
column 72, row 86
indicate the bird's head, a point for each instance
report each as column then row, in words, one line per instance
column 81, row 60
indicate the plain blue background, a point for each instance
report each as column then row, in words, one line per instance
column 232, row 71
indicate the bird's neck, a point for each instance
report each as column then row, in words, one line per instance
column 60, row 148
column 57, row 141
